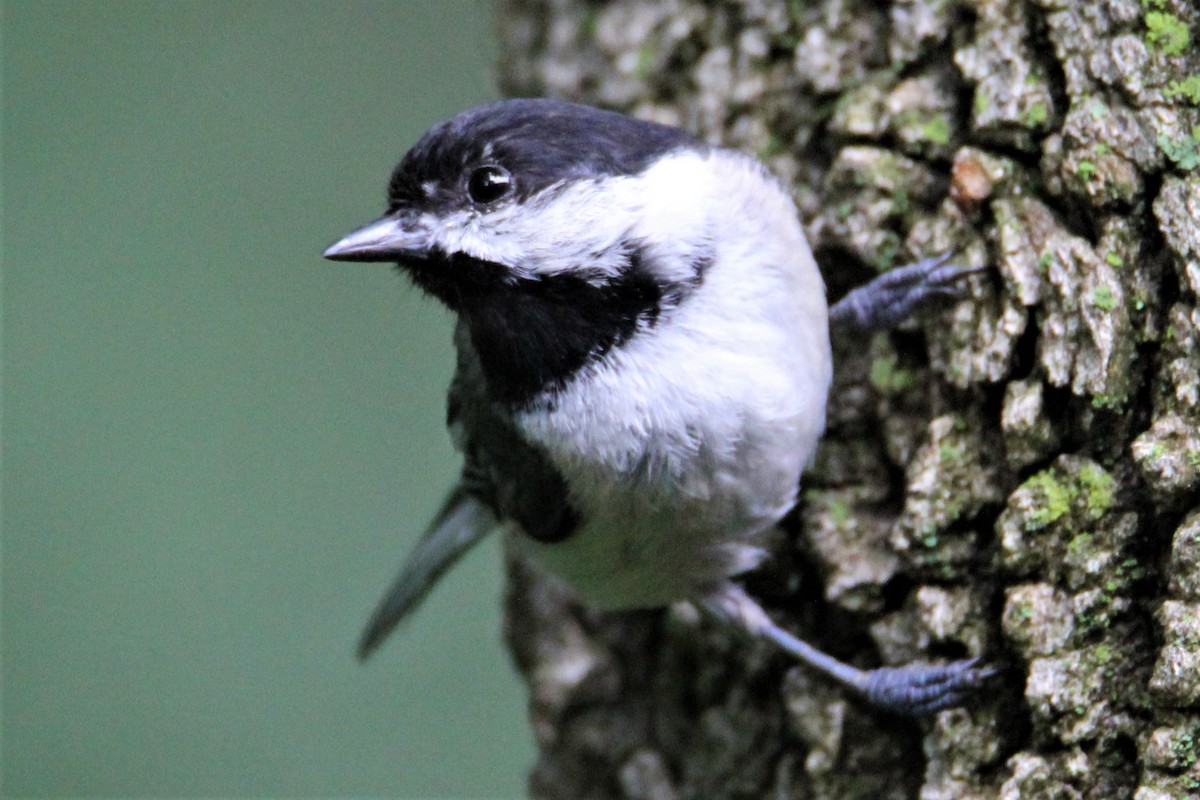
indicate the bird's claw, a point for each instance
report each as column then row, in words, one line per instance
column 920, row 689
column 933, row 278
column 902, row 293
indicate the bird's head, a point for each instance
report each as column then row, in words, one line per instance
column 526, row 195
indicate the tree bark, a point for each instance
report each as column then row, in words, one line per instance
column 1015, row 477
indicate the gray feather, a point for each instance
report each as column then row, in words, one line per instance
column 504, row 478
column 462, row 521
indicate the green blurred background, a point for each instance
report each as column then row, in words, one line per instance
column 216, row 446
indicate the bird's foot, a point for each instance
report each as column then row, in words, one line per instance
column 920, row 689
column 900, row 294
column 913, row 689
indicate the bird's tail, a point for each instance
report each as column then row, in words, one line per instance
column 462, row 521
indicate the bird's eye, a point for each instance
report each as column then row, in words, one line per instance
column 488, row 184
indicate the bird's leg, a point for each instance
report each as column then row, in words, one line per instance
column 914, row 689
column 899, row 294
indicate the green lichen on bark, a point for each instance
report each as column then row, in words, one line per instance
column 1015, row 476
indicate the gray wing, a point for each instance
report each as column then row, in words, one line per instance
column 504, row 478
column 511, row 476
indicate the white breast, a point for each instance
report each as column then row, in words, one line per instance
column 682, row 447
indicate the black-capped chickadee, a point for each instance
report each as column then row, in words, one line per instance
column 643, row 361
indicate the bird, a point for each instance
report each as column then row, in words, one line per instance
column 643, row 363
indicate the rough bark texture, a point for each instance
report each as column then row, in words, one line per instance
column 1017, row 477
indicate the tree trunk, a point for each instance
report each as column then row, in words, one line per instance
column 1015, row 477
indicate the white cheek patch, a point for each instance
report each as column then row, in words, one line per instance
column 482, row 237
column 554, row 233
column 589, row 227
column 681, row 202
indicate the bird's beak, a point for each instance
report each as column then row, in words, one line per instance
column 389, row 238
